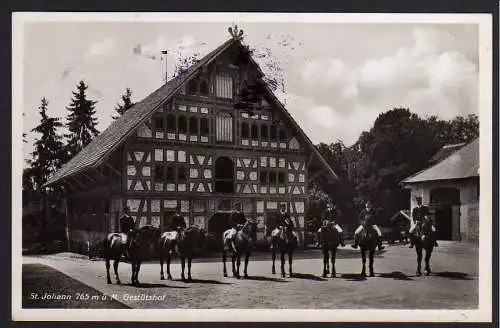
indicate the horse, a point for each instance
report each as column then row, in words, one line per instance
column 242, row 244
column 329, row 241
column 186, row 246
column 423, row 240
column 284, row 240
column 142, row 244
column 368, row 242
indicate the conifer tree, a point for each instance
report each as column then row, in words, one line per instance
column 81, row 121
column 127, row 103
column 47, row 148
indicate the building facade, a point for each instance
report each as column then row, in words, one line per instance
column 196, row 143
column 451, row 189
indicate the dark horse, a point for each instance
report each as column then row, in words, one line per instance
column 186, row 246
column 330, row 241
column 284, row 240
column 142, row 245
column 423, row 240
column 242, row 244
column 368, row 242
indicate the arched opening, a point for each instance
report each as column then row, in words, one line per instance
column 224, row 175
column 217, row 224
column 445, row 204
column 224, row 127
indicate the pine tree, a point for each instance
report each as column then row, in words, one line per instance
column 47, row 149
column 127, row 103
column 81, row 121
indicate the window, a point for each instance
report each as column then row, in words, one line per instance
column 159, row 123
column 263, row 177
column 224, row 127
column 170, row 178
column 255, row 131
column 193, row 125
column 181, row 174
column 224, row 85
column 281, row 177
column 273, row 132
column 282, row 135
column 264, row 131
column 244, row 131
column 204, row 88
column 272, row 178
column 224, row 175
column 159, row 172
column 192, row 87
column 171, row 123
column 204, row 127
column 182, row 124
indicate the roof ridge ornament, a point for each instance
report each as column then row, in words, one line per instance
column 236, row 33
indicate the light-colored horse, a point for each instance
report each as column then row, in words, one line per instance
column 285, row 241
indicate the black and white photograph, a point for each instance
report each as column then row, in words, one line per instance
column 252, row 167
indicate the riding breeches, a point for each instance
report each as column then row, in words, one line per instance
column 339, row 229
column 433, row 228
column 375, row 227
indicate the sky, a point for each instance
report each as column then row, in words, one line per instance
column 338, row 77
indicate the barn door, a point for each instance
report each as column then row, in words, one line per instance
column 455, row 214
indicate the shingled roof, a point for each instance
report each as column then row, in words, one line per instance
column 104, row 144
column 461, row 164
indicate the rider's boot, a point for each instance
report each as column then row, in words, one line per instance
column 411, row 243
column 342, row 243
column 380, row 246
column 355, row 245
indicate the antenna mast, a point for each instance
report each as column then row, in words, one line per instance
column 164, row 52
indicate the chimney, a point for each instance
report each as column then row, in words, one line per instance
column 165, row 52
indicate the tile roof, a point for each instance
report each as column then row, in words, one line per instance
column 461, row 164
column 445, row 151
column 105, row 143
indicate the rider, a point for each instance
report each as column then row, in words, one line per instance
column 332, row 214
column 127, row 226
column 237, row 221
column 368, row 214
column 177, row 223
column 419, row 214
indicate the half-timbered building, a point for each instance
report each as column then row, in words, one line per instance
column 191, row 143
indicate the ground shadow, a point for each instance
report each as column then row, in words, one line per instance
column 262, row 278
column 352, row 277
column 307, row 276
column 453, row 275
column 148, row 285
column 205, row 281
column 396, row 275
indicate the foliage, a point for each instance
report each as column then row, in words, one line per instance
column 81, row 121
column 127, row 104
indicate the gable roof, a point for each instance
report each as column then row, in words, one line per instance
column 445, row 151
column 461, row 164
column 105, row 143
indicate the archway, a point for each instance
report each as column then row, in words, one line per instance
column 217, row 224
column 224, row 175
column 445, row 203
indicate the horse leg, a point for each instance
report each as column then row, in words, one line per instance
column 169, row 259
column 233, row 261
column 183, row 265
column 190, row 259
column 325, row 262
column 107, row 271
column 224, row 271
column 282, row 254
column 238, row 263
column 428, row 253
column 247, row 257
column 290, row 261
column 371, row 258
column 115, row 267
column 419, row 260
column 162, row 277
column 274, row 259
column 363, row 260
column 137, row 268
column 334, row 254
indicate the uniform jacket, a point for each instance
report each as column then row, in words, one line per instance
column 370, row 216
column 237, row 218
column 419, row 213
column 177, row 220
column 127, row 223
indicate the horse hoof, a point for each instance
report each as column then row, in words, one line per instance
column 327, row 271
column 225, row 275
column 190, row 279
column 324, row 274
column 118, row 282
column 427, row 273
column 169, row 277
column 162, row 278
column 363, row 274
column 246, row 276
column 334, row 275
column 109, row 282
column 418, row 273
column 274, row 271
column 372, row 274
column 238, row 277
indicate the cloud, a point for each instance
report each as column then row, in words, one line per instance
column 431, row 76
column 103, row 48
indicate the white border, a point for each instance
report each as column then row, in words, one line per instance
column 483, row 314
